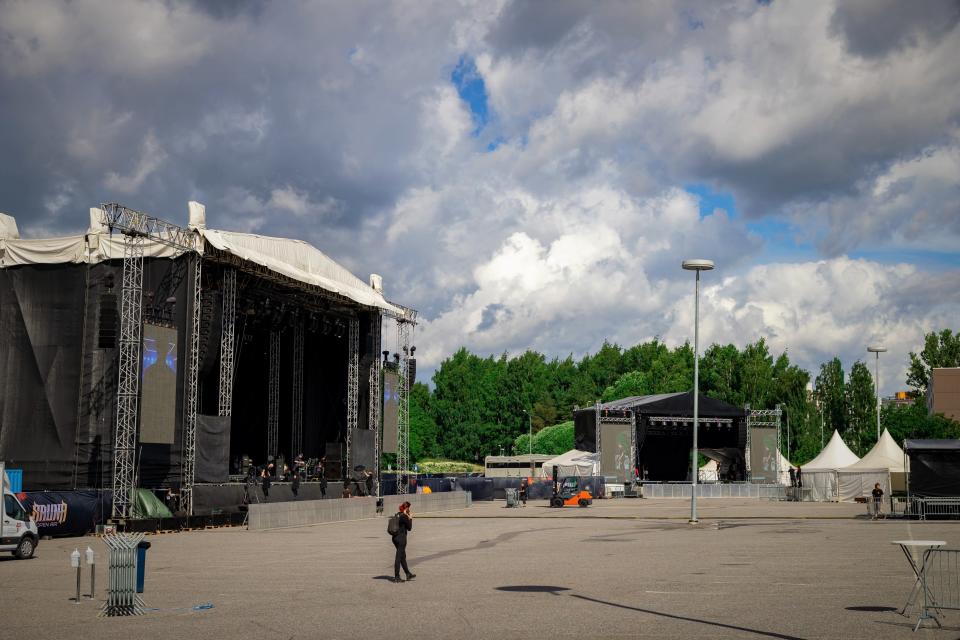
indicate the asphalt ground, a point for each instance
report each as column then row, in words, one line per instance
column 619, row 569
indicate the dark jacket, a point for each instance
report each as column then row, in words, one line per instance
column 406, row 524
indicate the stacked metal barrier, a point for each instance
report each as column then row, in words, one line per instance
column 122, row 598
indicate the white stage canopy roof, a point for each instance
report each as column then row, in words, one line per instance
column 294, row 259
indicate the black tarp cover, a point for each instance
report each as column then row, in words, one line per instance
column 213, row 449
column 934, row 467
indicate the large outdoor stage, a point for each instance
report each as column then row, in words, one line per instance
column 654, row 434
column 142, row 354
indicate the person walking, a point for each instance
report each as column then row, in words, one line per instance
column 405, row 521
column 877, row 494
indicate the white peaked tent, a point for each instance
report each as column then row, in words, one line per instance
column 582, row 464
column 836, row 455
column 820, row 474
column 886, row 454
column 859, row 478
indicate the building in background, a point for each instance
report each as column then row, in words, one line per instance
column 898, row 399
column 943, row 393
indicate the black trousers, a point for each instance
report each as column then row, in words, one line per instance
column 400, row 560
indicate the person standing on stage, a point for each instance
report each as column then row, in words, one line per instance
column 265, row 480
column 400, row 543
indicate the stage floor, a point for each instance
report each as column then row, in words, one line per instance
column 228, row 497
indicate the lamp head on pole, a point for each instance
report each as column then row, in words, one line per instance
column 876, row 349
column 698, row 265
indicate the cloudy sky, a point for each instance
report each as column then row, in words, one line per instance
column 527, row 174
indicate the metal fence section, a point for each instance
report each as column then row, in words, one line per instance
column 946, row 508
column 717, row 490
column 940, row 574
column 122, row 598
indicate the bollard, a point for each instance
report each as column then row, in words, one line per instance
column 91, row 562
column 75, row 563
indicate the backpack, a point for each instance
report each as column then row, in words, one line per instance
column 393, row 524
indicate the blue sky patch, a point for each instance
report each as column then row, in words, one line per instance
column 473, row 91
column 710, row 200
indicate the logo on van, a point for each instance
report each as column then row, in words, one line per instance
column 49, row 514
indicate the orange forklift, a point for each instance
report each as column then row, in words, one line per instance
column 569, row 492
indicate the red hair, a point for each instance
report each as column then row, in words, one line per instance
column 404, row 506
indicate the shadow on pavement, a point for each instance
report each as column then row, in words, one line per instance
column 870, row 608
column 769, row 634
column 533, row 588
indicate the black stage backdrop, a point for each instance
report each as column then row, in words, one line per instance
column 934, row 467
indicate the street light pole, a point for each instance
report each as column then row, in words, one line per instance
column 876, row 379
column 697, row 266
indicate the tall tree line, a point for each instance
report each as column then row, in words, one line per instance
column 480, row 404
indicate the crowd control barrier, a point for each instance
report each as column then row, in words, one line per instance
column 941, row 583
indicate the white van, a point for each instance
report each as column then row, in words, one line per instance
column 18, row 531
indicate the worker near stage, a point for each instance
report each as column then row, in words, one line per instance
column 400, row 543
column 523, row 491
column 877, row 494
column 265, row 477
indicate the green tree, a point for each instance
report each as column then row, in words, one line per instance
column 862, row 409
column 832, row 397
column 634, row 383
column 912, row 421
column 718, row 373
column 939, row 350
column 423, row 428
column 755, row 376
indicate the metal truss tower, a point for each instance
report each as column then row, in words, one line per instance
column 353, row 387
column 227, row 341
column 128, row 382
column 404, row 341
column 296, row 422
column 138, row 227
column 273, row 408
column 188, row 459
column 374, row 396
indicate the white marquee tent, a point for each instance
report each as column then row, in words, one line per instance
column 820, row 474
column 582, row 464
column 858, row 479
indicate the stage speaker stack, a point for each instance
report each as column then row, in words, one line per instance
column 107, row 321
column 336, row 455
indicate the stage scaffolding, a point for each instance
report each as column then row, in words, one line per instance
column 353, row 386
column 138, row 227
column 228, row 341
column 296, row 425
column 188, row 458
column 404, row 342
column 273, row 397
column 373, row 421
column 128, row 382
